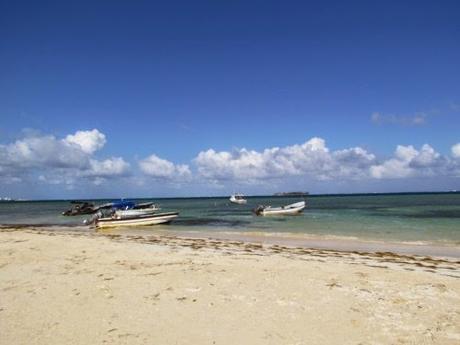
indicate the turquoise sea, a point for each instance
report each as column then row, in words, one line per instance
column 417, row 217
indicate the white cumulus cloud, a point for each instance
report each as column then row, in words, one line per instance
column 88, row 141
column 59, row 161
column 44, row 151
column 456, row 150
column 115, row 166
column 410, row 162
column 311, row 158
column 157, row 167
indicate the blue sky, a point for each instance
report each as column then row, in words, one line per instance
column 178, row 79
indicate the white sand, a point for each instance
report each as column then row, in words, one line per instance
column 58, row 288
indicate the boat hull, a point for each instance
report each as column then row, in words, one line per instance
column 120, row 214
column 238, row 199
column 239, row 202
column 277, row 212
column 154, row 219
column 282, row 211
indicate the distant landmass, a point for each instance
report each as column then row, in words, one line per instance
column 6, row 199
column 291, row 194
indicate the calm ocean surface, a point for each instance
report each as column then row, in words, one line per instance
column 432, row 218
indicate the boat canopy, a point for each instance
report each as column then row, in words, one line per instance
column 122, row 204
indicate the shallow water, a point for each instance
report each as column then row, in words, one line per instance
column 424, row 218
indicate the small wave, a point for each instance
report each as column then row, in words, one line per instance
column 211, row 222
column 425, row 214
column 40, row 225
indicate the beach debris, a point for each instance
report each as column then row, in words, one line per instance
column 333, row 283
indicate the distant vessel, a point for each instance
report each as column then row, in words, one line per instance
column 280, row 211
column 291, row 194
column 238, row 199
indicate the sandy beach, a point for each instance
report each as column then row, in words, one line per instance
column 73, row 288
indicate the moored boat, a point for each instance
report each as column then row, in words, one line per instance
column 238, row 199
column 280, row 211
column 151, row 219
column 85, row 207
column 79, row 208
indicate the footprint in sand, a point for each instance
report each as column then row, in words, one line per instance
column 106, row 290
column 154, row 297
column 399, row 301
column 362, row 275
column 194, row 289
column 334, row 283
column 440, row 287
column 128, row 335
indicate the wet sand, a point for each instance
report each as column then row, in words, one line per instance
column 343, row 243
column 87, row 288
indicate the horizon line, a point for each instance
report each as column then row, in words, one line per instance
column 246, row 196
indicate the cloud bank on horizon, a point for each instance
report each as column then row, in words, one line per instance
column 74, row 161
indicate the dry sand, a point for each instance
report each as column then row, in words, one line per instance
column 69, row 288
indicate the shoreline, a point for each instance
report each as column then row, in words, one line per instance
column 329, row 242
column 441, row 249
column 430, row 263
column 61, row 287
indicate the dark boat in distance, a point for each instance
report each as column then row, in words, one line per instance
column 80, row 207
column 85, row 207
column 291, row 194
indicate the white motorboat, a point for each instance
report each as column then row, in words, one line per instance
column 280, row 211
column 151, row 219
column 238, row 199
column 120, row 214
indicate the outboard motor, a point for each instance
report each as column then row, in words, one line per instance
column 93, row 218
column 258, row 210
